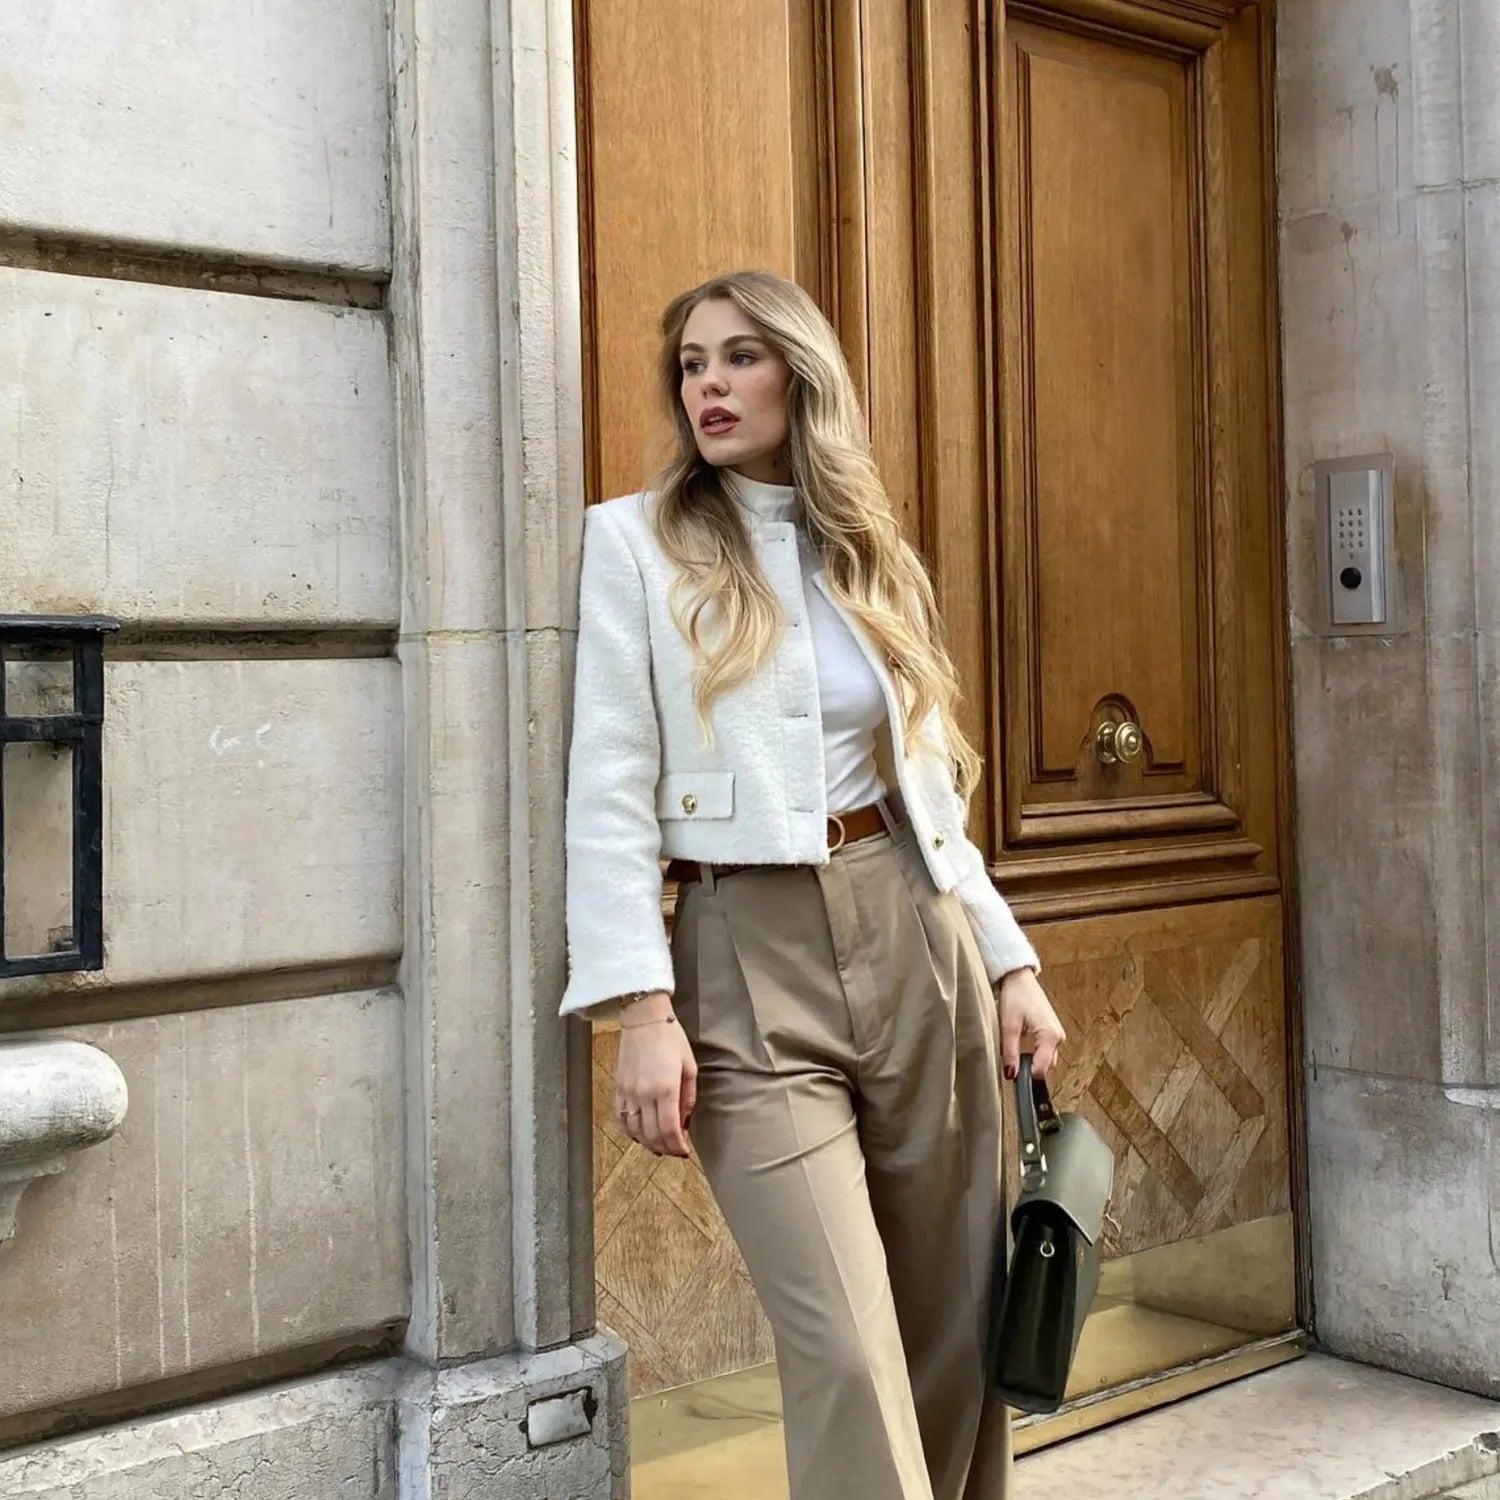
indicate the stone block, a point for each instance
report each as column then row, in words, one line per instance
column 1489, row 833
column 252, row 1202
column 1479, row 21
column 326, row 1439
column 1352, row 289
column 1344, row 135
column 1432, row 93
column 174, row 455
column 540, row 143
column 446, row 342
column 1482, row 287
column 464, row 1433
column 252, row 819
column 1438, row 477
column 1388, row 859
column 1405, row 1206
column 457, row 980
column 547, row 1184
column 1378, row 308
column 240, row 131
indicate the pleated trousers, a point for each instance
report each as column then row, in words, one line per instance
column 849, row 1124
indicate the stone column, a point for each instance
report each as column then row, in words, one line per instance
column 1389, row 174
column 507, row 1380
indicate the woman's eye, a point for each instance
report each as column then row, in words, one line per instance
column 744, row 357
column 691, row 366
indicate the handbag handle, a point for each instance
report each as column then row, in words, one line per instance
column 1038, row 1118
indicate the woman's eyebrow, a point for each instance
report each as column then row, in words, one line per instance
column 735, row 338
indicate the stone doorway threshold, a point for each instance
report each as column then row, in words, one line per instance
column 1319, row 1429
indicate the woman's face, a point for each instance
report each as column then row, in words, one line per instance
column 734, row 391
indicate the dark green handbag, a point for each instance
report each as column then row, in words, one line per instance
column 1041, row 1298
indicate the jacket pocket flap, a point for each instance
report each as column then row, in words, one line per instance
column 695, row 795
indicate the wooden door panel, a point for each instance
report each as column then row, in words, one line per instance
column 1110, row 351
column 702, row 150
column 1128, row 524
column 701, row 154
column 668, row 1276
column 1177, row 1053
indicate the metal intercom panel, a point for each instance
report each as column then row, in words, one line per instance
column 1356, row 544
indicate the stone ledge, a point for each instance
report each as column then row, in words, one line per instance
column 1452, row 1477
column 391, row 1428
column 331, row 1435
column 56, row 1097
column 1481, row 1489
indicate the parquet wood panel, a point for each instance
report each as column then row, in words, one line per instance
column 1177, row 1053
column 669, row 1279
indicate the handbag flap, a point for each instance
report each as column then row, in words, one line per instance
column 1079, row 1176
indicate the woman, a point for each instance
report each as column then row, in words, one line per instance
column 763, row 697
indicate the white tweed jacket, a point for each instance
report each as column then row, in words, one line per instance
column 643, row 786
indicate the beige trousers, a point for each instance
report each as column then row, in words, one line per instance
column 848, row 1121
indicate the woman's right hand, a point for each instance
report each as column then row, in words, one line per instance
column 656, row 1077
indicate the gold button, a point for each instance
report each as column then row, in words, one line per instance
column 937, row 843
column 689, row 803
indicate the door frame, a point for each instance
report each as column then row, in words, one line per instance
column 945, row 55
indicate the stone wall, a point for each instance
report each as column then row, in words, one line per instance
column 211, row 457
column 1389, row 166
column 289, row 383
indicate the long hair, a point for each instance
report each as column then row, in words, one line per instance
column 721, row 600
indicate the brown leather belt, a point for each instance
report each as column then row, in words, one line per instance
column 843, row 828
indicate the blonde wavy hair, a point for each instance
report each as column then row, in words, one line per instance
column 721, row 600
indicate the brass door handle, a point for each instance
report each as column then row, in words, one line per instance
column 1119, row 742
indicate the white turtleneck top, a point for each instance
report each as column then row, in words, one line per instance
column 849, row 695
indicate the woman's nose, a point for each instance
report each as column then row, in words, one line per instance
column 714, row 382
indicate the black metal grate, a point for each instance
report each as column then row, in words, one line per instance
column 79, row 730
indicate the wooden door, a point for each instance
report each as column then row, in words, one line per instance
column 1042, row 232
column 1137, row 564
column 699, row 153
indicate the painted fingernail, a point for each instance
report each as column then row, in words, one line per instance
column 1010, row 1072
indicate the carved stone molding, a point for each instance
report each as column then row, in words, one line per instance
column 56, row 1097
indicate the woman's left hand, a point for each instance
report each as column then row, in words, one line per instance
column 1027, row 1023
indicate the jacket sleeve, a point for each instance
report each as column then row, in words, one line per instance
column 1002, row 944
column 617, row 939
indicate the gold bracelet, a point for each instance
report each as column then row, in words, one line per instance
column 642, row 1025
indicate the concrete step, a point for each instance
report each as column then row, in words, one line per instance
column 1481, row 1489
column 1449, row 1478
column 1319, row 1429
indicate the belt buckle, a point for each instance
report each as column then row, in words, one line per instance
column 839, row 823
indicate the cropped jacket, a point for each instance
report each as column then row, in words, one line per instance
column 644, row 786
